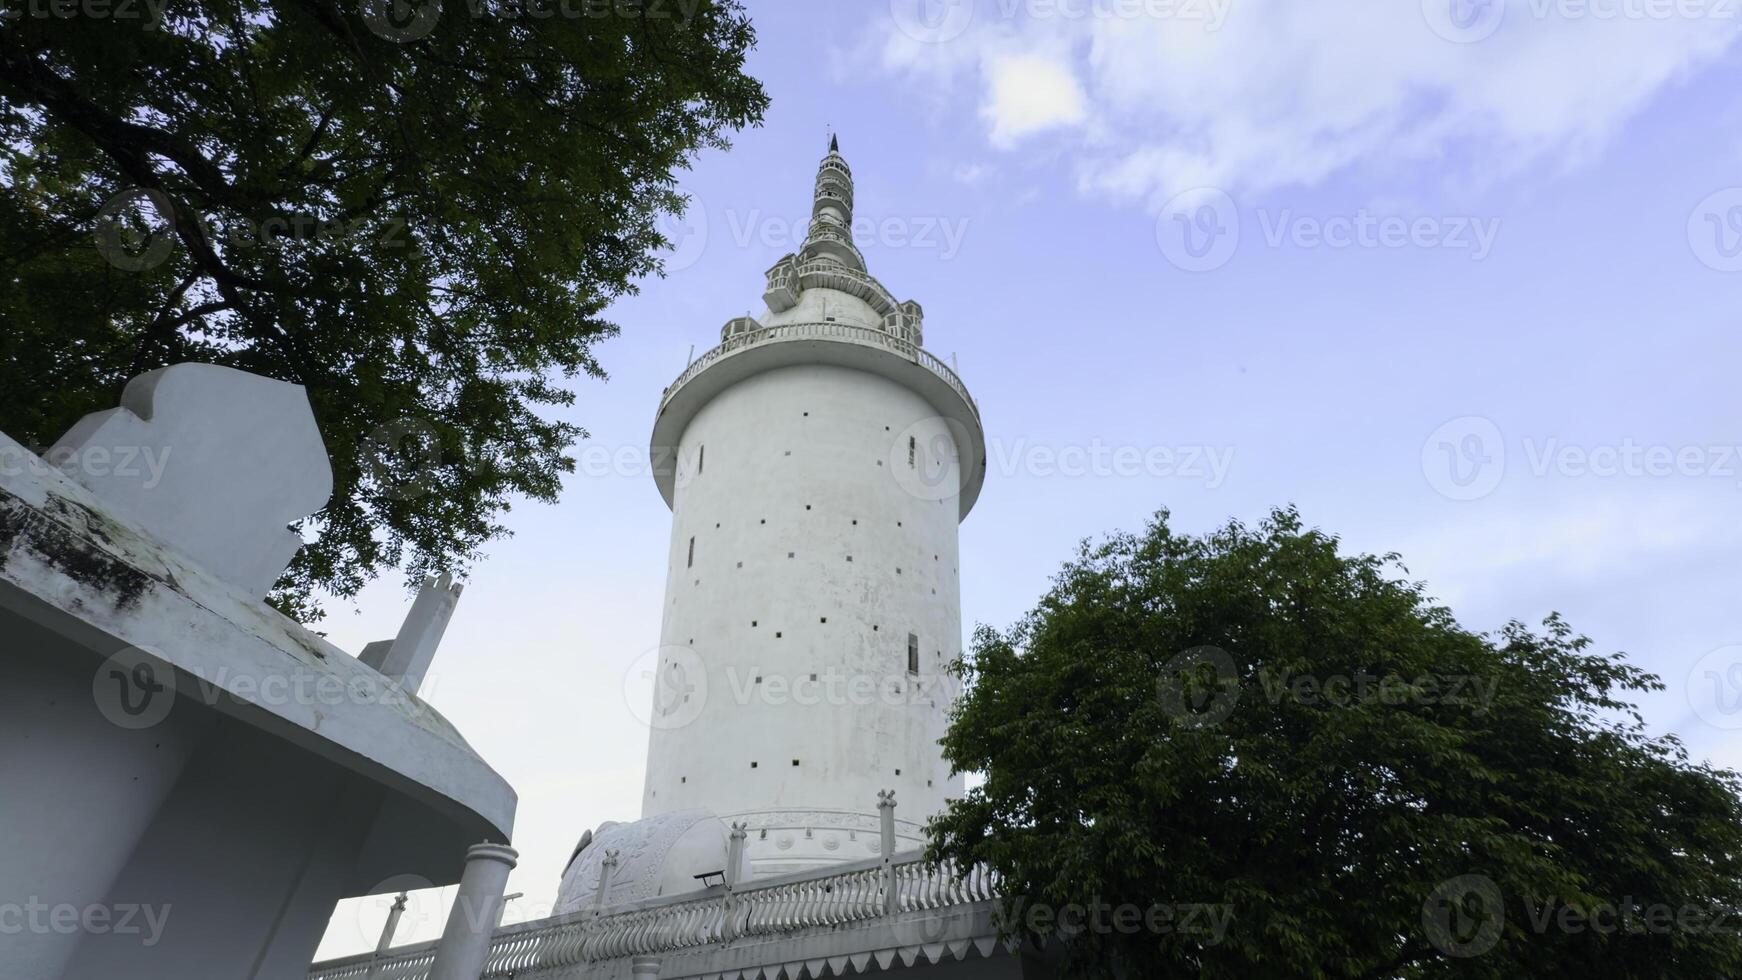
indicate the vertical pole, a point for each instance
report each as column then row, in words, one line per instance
column 886, row 813
column 607, row 868
column 393, row 916
column 387, row 932
column 465, row 944
column 734, row 857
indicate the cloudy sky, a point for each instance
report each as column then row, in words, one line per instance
column 1459, row 279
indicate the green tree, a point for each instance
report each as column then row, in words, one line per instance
column 1321, row 774
column 416, row 211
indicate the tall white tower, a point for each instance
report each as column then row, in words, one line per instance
column 817, row 463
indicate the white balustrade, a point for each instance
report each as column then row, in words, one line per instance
column 816, row 899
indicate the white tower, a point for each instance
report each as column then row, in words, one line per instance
column 817, row 463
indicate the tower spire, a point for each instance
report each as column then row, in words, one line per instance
column 831, row 228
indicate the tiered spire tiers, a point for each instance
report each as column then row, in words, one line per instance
column 830, row 259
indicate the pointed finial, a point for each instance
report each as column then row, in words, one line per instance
column 834, row 143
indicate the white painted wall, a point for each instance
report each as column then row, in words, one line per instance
column 789, row 484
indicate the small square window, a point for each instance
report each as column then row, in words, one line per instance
column 753, row 765
column 795, row 762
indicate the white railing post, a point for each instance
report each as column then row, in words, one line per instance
column 606, row 868
column 734, row 857
column 886, row 824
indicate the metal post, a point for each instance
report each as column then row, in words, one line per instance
column 886, row 811
column 465, row 944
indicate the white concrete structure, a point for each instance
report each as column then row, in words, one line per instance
column 191, row 780
column 817, row 464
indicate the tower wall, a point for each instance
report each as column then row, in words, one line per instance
column 806, row 543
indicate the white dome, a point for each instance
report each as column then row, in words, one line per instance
column 656, row 856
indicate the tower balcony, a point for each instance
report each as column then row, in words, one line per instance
column 828, row 238
column 868, row 349
column 833, row 164
column 833, row 189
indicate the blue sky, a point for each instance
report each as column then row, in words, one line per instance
column 1463, row 282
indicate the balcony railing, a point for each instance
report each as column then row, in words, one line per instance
column 823, row 898
column 849, row 332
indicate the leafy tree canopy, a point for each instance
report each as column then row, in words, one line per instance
column 416, row 211
column 1313, row 771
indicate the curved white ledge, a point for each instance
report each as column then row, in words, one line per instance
column 839, row 344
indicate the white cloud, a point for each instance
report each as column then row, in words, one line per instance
column 1280, row 92
column 1029, row 93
